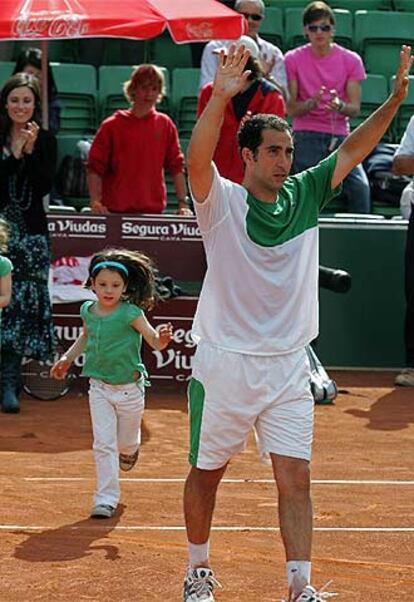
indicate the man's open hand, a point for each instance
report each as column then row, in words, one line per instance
column 230, row 75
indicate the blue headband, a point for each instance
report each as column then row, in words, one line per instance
column 110, row 264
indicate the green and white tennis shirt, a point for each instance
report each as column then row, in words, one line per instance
column 260, row 292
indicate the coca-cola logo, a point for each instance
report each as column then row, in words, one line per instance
column 49, row 26
column 200, row 31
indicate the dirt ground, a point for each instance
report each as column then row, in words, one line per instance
column 363, row 490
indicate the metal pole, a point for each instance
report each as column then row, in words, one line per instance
column 44, row 83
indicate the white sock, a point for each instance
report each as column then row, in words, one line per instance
column 198, row 554
column 298, row 575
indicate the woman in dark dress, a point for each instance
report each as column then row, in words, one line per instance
column 27, row 167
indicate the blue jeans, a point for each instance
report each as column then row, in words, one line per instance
column 312, row 147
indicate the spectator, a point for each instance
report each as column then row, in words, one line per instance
column 30, row 61
column 403, row 164
column 270, row 55
column 27, row 166
column 324, row 87
column 131, row 150
column 258, row 96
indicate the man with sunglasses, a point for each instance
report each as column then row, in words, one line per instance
column 325, row 91
column 271, row 56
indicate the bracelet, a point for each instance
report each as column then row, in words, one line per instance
column 184, row 201
column 341, row 107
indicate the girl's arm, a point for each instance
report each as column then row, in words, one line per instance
column 5, row 289
column 62, row 365
column 157, row 339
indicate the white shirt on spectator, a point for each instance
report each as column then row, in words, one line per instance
column 209, row 60
column 406, row 147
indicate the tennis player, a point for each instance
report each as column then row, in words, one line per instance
column 257, row 311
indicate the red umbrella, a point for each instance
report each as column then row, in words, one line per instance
column 187, row 21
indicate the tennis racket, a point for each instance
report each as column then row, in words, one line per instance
column 38, row 383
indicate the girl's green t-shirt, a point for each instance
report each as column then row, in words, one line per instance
column 113, row 348
column 6, row 266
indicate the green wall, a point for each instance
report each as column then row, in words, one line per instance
column 364, row 327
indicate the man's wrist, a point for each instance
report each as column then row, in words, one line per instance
column 219, row 99
column 184, row 201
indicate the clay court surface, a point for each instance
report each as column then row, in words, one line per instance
column 363, row 489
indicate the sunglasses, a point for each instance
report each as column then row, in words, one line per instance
column 252, row 16
column 314, row 28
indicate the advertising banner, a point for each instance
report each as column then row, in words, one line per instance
column 173, row 242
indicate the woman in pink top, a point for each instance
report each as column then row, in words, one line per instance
column 325, row 91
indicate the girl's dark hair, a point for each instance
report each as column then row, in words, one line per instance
column 140, row 281
column 250, row 134
column 33, row 56
column 19, row 80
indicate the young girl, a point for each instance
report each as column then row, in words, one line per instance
column 6, row 267
column 113, row 328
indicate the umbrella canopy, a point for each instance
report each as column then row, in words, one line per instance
column 187, row 20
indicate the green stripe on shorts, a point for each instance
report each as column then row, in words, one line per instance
column 196, row 395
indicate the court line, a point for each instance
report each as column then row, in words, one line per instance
column 235, row 529
column 228, row 480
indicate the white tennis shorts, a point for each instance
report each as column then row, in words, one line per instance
column 231, row 393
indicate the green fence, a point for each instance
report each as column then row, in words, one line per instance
column 364, row 327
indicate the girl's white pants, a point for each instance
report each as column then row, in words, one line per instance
column 116, row 413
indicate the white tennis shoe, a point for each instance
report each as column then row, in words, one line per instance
column 103, row 511
column 199, row 585
column 309, row 594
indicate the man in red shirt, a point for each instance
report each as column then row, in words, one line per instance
column 131, row 150
column 258, row 95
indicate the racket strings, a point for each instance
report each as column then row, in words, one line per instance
column 38, row 383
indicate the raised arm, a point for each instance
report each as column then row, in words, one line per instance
column 157, row 339
column 363, row 139
column 229, row 80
